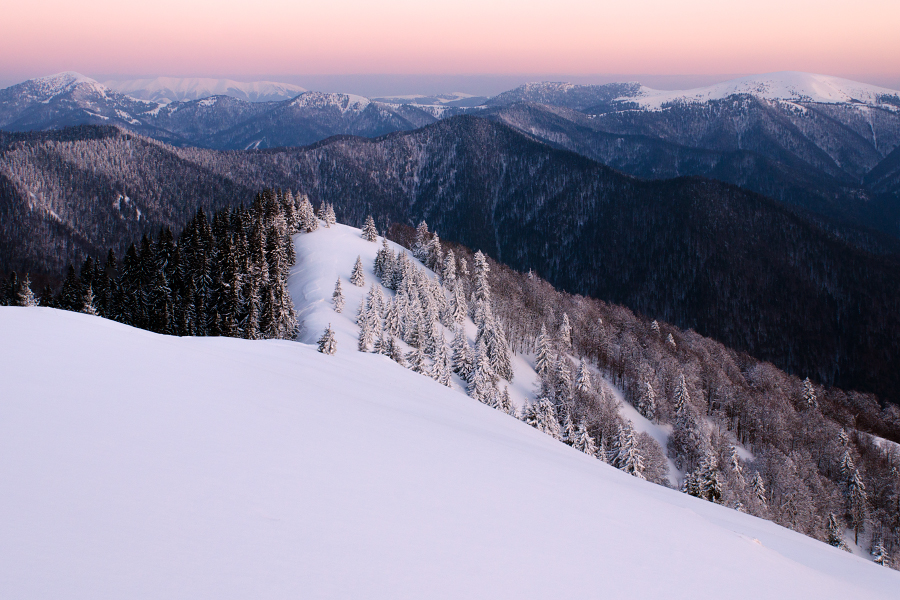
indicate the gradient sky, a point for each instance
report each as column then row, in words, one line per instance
column 246, row 39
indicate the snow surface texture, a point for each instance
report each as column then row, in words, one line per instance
column 136, row 465
column 787, row 85
column 143, row 466
column 171, row 89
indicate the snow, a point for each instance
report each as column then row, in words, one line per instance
column 144, row 466
column 171, row 89
column 786, row 85
column 343, row 102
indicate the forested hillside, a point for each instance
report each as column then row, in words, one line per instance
column 704, row 255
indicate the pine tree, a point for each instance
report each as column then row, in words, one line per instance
column 809, row 395
column 647, row 402
column 395, row 352
column 369, row 232
column 24, row 295
column 654, row 326
column 329, row 215
column 459, row 308
column 441, row 370
column 583, row 379
column 565, row 333
column 833, row 533
column 337, row 297
column 448, row 269
column 682, row 399
column 568, row 428
column 505, row 402
column 759, row 489
column 670, row 340
column 357, row 278
column 481, row 380
column 327, row 343
column 541, row 415
column 461, row 358
column 736, row 470
column 856, row 503
column 880, row 554
column 89, row 307
column 583, row 440
column 629, row 458
column 544, row 359
column 421, row 242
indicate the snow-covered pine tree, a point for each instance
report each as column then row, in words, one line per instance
column 857, row 501
column 647, row 402
column 759, row 489
column 541, row 415
column 567, row 427
column 89, row 307
column 654, row 326
column 809, row 395
column 670, row 341
column 833, row 533
column 434, row 254
column 441, row 370
column 583, row 440
column 629, row 458
column 448, row 270
column 327, row 343
column 583, row 378
column 329, row 215
column 462, row 358
column 308, row 220
column 709, row 479
column 565, row 333
column 320, row 212
column 505, row 402
column 420, row 245
column 880, row 555
column 544, row 358
column 357, row 277
column 369, row 231
column 681, row 400
column 458, row 308
column 337, row 297
column 24, row 295
column 366, row 332
column 482, row 377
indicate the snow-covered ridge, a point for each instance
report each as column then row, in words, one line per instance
column 171, row 89
column 787, row 85
column 46, row 88
column 344, row 102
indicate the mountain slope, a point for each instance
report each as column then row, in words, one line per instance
column 268, row 469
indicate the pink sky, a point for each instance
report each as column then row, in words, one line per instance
column 235, row 39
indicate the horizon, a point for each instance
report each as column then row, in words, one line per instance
column 387, row 85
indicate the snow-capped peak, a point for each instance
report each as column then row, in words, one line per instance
column 344, row 102
column 59, row 83
column 790, row 86
column 172, row 89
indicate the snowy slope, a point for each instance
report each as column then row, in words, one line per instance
column 143, row 466
column 171, row 89
column 786, row 85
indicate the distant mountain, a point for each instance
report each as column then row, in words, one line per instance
column 791, row 86
column 222, row 122
column 807, row 140
column 701, row 254
column 173, row 89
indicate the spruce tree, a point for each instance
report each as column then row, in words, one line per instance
column 338, row 297
column 809, row 395
column 682, row 399
column 24, row 295
column 327, row 343
column 565, row 333
column 357, row 277
column 583, row 378
column 329, row 215
column 647, row 402
column 856, row 503
column 583, row 440
column 544, row 358
column 89, row 307
column 369, row 232
column 759, row 489
column 833, row 533
column 880, row 555
column 629, row 458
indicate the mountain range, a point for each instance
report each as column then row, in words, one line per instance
column 812, row 141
